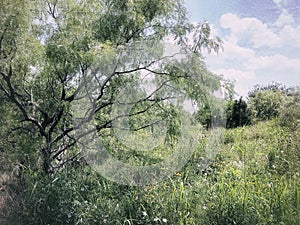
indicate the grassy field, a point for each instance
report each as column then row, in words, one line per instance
column 255, row 179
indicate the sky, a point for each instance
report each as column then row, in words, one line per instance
column 261, row 40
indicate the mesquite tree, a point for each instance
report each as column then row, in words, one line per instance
column 48, row 48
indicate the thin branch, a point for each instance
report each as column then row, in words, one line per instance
column 51, row 9
column 62, row 135
column 55, row 120
column 12, row 96
column 70, row 159
column 60, row 151
column 147, row 125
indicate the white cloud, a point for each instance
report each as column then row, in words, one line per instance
column 249, row 30
column 243, row 79
column 275, row 64
column 284, row 19
column 234, row 51
column 280, row 3
column 253, row 69
column 258, row 34
column 277, row 2
column 289, row 31
column 234, row 74
column 245, row 58
column 290, row 36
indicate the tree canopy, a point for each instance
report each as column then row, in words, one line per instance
column 266, row 101
column 50, row 50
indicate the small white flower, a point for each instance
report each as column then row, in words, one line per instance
column 144, row 213
column 156, row 219
column 164, row 220
column 204, row 207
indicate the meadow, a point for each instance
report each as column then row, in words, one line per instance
column 253, row 180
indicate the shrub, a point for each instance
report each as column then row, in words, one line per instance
column 290, row 112
column 266, row 105
column 237, row 114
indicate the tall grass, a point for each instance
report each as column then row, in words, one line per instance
column 253, row 180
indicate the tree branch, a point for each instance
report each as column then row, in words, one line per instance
column 11, row 94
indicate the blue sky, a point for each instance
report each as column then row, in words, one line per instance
column 261, row 40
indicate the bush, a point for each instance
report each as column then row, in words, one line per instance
column 271, row 101
column 266, row 105
column 237, row 114
column 290, row 112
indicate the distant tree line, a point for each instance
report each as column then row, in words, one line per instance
column 264, row 102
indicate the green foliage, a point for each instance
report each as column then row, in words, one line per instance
column 274, row 86
column 50, row 49
column 253, row 180
column 204, row 116
column 254, row 186
column 266, row 103
column 290, row 113
column 237, row 114
column 275, row 100
column 211, row 112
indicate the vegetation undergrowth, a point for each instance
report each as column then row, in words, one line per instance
column 74, row 71
column 253, row 180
